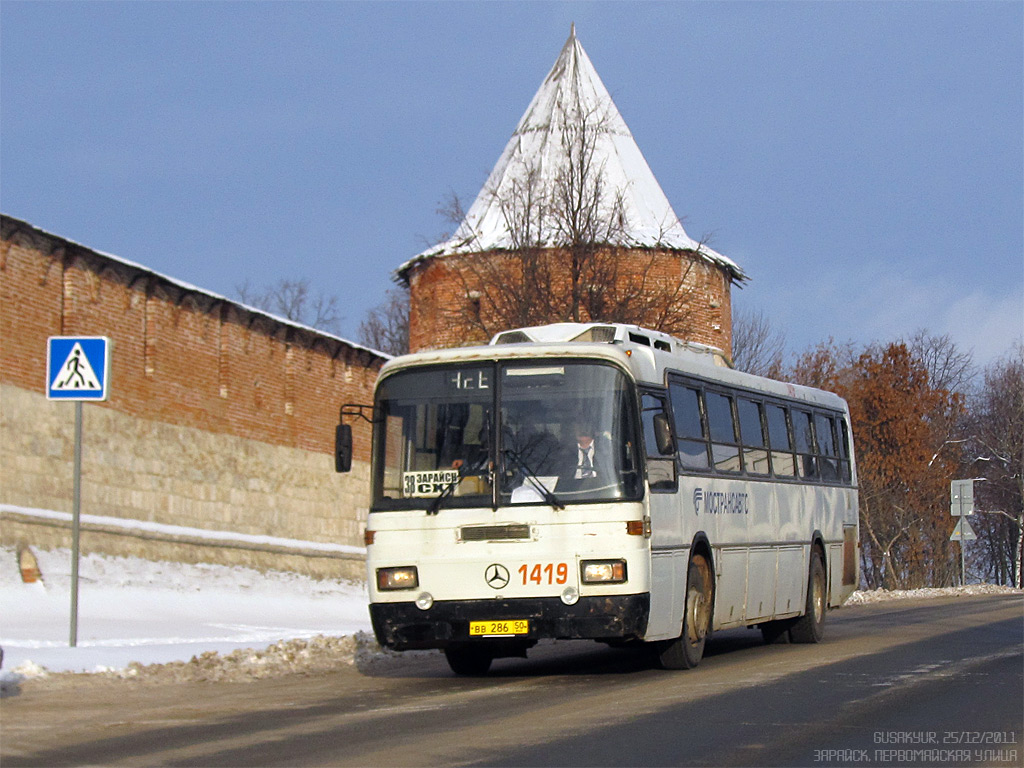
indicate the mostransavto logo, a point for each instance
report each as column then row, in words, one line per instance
column 720, row 502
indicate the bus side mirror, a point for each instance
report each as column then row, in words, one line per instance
column 663, row 435
column 343, row 448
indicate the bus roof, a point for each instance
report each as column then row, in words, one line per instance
column 646, row 354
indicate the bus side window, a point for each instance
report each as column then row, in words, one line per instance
column 725, row 450
column 755, row 446
column 844, row 452
column 692, row 439
column 828, row 461
column 804, row 438
column 690, row 434
column 778, row 437
column 661, row 466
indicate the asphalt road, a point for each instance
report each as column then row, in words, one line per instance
column 925, row 683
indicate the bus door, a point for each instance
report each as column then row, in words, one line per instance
column 669, row 549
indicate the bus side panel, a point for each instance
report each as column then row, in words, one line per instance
column 791, row 595
column 762, row 563
column 722, row 507
column 795, row 509
column 668, row 594
column 835, row 573
column 834, row 510
column 796, row 504
column 730, row 597
column 762, row 569
column 846, row 577
column 670, row 541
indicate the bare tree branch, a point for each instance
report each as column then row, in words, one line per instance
column 758, row 346
column 293, row 300
column 386, row 326
column 949, row 367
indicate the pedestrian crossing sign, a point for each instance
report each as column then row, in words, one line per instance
column 77, row 367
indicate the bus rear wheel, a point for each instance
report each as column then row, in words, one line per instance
column 685, row 651
column 471, row 660
column 810, row 627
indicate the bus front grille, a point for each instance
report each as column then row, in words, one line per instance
column 495, row 532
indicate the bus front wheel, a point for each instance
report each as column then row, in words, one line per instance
column 685, row 651
column 810, row 627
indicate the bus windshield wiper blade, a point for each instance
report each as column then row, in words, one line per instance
column 448, row 490
column 535, row 481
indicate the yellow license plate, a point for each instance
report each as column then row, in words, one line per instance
column 499, row 627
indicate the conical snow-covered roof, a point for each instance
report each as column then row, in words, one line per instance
column 572, row 92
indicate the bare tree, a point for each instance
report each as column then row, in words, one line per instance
column 293, row 300
column 452, row 211
column 567, row 228
column 386, row 326
column 948, row 366
column 997, row 446
column 758, row 346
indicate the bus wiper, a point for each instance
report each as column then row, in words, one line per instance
column 448, row 490
column 535, row 481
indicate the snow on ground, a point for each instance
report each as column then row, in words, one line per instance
column 173, row 621
column 139, row 612
column 878, row 595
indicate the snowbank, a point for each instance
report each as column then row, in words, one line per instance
column 878, row 595
column 133, row 613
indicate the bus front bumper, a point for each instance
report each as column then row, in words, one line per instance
column 403, row 626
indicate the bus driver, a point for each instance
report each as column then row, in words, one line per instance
column 588, row 458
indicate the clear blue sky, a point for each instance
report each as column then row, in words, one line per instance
column 862, row 162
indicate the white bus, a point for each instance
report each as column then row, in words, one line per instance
column 606, row 482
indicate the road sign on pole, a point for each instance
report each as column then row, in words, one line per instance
column 963, row 531
column 77, row 367
column 961, row 497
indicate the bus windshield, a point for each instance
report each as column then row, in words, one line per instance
column 505, row 434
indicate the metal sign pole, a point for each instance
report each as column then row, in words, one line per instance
column 963, row 560
column 75, row 516
column 960, row 527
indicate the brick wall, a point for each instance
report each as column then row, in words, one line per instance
column 227, row 396
column 453, row 298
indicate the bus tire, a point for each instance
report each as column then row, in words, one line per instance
column 685, row 651
column 810, row 627
column 471, row 660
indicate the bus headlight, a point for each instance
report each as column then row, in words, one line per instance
column 603, row 571
column 403, row 577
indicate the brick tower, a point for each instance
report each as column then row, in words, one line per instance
column 571, row 225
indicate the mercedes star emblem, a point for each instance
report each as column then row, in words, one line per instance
column 496, row 576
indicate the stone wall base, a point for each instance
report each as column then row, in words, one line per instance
column 46, row 534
